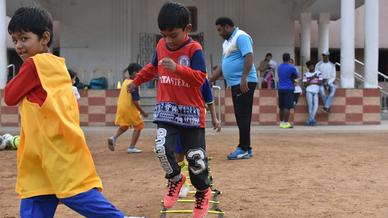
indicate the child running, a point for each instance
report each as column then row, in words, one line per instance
column 180, row 108
column 54, row 162
column 128, row 111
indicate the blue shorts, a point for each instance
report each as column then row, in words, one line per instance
column 89, row 204
column 179, row 147
column 286, row 98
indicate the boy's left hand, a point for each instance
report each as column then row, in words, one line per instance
column 216, row 125
column 144, row 114
column 168, row 63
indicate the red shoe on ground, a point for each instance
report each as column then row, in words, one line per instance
column 172, row 194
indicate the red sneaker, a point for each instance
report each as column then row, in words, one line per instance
column 202, row 203
column 172, row 194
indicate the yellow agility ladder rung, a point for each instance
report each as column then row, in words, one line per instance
column 192, row 201
column 213, row 192
column 190, row 211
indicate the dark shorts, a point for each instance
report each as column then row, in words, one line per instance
column 286, row 98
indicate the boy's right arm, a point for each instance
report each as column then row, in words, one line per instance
column 24, row 82
column 146, row 74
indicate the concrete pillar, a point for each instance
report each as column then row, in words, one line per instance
column 347, row 43
column 323, row 29
column 305, row 44
column 371, row 34
column 3, row 45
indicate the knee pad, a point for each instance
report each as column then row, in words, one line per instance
column 197, row 160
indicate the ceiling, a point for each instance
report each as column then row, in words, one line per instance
column 315, row 7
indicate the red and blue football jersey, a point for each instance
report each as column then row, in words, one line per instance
column 179, row 98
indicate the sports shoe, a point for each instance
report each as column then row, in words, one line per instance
column 287, row 126
column 238, row 154
column 172, row 194
column 133, row 150
column 201, row 203
column 184, row 191
column 111, row 143
column 185, row 188
column 250, row 152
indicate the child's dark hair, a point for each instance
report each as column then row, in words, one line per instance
column 32, row 19
column 72, row 74
column 132, row 68
column 173, row 15
column 309, row 63
column 268, row 54
column 223, row 21
column 286, row 57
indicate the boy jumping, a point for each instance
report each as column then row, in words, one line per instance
column 180, row 107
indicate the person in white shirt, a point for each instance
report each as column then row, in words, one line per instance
column 328, row 71
column 312, row 80
column 73, row 77
column 298, row 90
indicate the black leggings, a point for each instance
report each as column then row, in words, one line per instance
column 193, row 143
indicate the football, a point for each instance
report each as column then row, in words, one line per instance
column 2, row 143
column 15, row 142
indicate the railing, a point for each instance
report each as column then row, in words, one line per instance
column 13, row 69
column 384, row 93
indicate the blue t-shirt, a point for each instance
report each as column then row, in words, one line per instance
column 287, row 73
column 233, row 64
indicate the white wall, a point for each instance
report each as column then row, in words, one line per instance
column 107, row 34
column 86, row 36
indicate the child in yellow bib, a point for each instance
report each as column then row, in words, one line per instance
column 129, row 111
column 53, row 160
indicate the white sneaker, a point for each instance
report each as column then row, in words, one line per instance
column 134, row 150
column 111, row 143
column 184, row 191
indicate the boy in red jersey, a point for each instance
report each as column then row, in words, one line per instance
column 180, row 107
column 53, row 161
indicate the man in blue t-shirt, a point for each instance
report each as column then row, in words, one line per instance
column 287, row 73
column 240, row 74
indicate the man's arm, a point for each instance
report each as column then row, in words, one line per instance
column 248, row 61
column 244, row 43
column 333, row 75
column 216, row 74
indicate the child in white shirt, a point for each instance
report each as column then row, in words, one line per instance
column 312, row 80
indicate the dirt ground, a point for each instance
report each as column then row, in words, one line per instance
column 292, row 174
